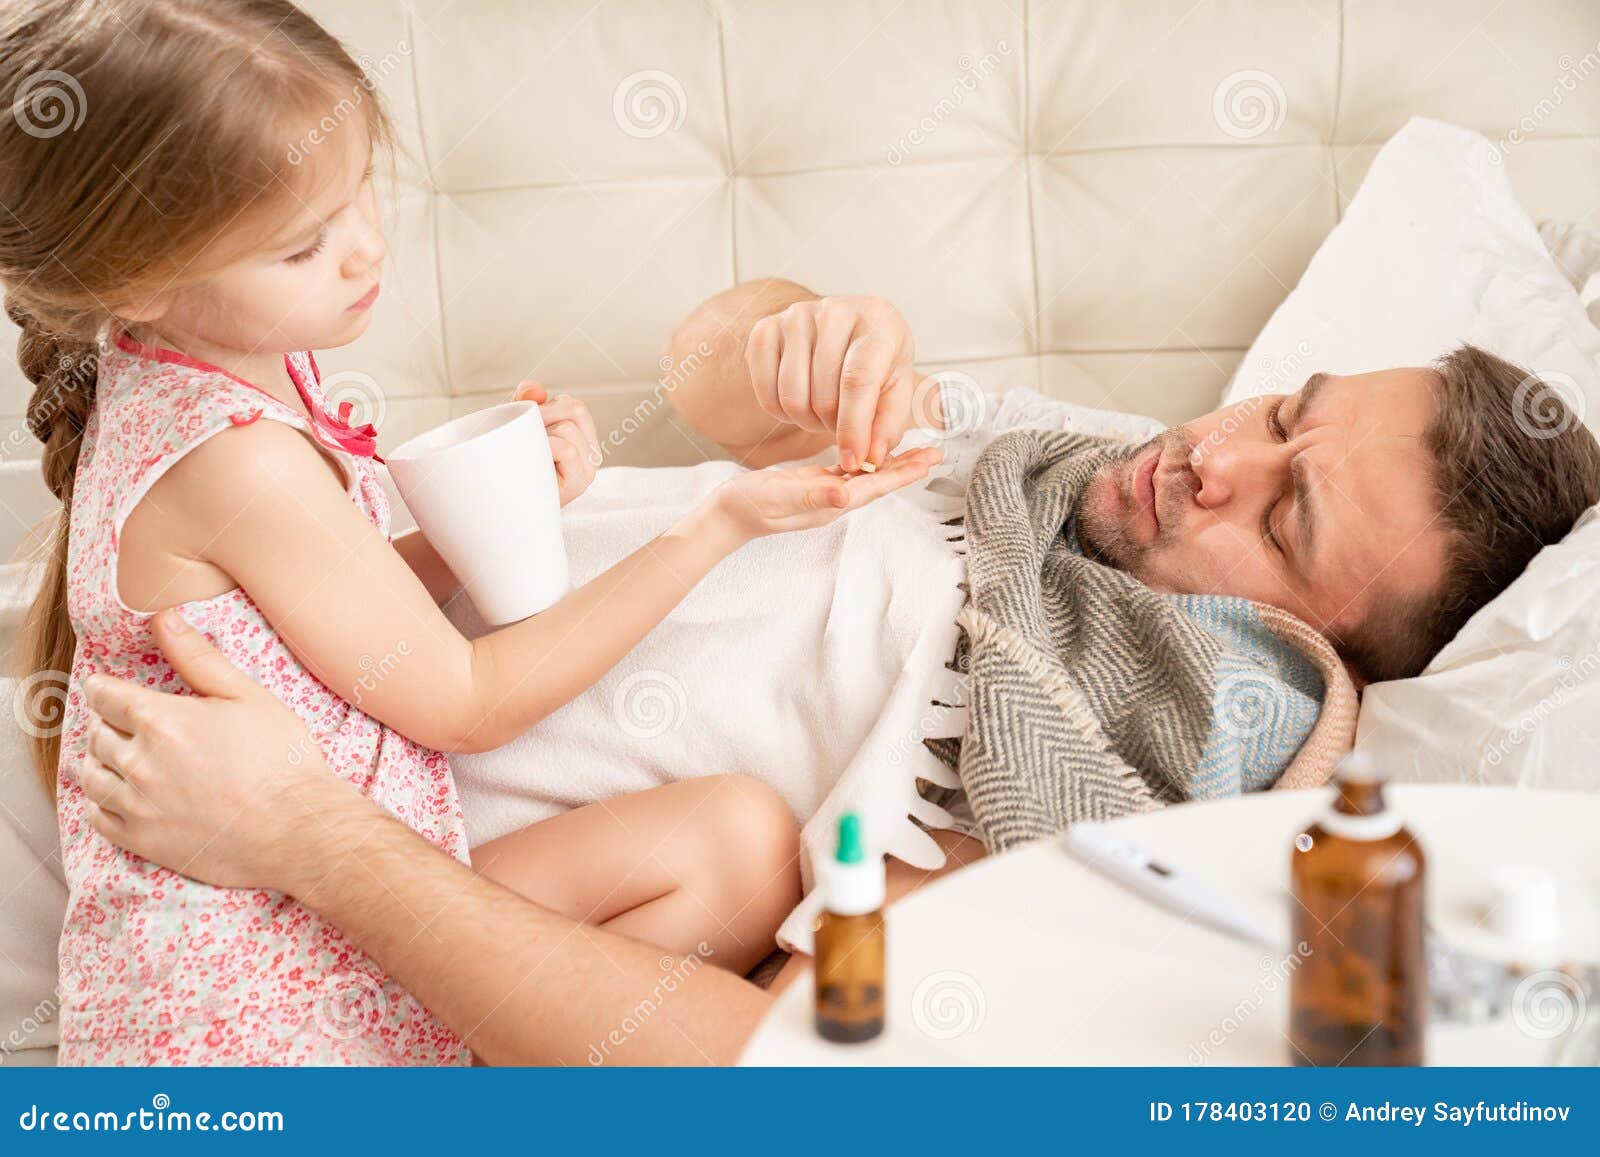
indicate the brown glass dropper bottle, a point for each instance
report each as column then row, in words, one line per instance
column 851, row 960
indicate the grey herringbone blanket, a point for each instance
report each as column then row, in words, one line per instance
column 1093, row 696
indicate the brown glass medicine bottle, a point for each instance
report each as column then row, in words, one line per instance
column 1358, row 994
column 851, row 962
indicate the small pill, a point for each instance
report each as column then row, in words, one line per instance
column 868, row 468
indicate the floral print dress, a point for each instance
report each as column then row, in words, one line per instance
column 156, row 968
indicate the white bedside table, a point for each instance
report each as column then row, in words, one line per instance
column 1031, row 958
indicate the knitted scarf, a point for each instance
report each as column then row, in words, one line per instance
column 1093, row 696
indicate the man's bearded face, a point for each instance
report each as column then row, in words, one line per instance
column 1317, row 502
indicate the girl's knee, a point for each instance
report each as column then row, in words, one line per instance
column 755, row 832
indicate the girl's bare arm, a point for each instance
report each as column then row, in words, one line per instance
column 259, row 503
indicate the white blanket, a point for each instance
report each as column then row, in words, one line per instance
column 813, row 661
column 798, row 659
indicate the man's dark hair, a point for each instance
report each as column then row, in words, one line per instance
column 1513, row 468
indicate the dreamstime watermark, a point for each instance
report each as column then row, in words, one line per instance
column 349, row 1005
column 1549, row 1004
column 355, row 398
column 673, row 375
column 375, row 671
column 92, row 963
column 342, row 111
column 973, row 72
column 300, row 749
column 1248, row 104
column 49, row 103
column 1572, row 73
column 73, row 969
column 18, row 440
column 649, row 103
column 25, row 1035
column 160, row 1117
column 1548, row 403
column 75, row 366
column 1273, row 973
column 675, row 972
column 949, row 404
column 1277, row 376
column 648, row 704
column 1249, row 703
column 948, row 1004
column 39, row 703
column 1573, row 675
column 931, row 723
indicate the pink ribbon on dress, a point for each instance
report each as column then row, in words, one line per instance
column 361, row 440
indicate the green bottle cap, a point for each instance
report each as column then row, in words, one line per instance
column 850, row 849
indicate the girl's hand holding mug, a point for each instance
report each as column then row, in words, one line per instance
column 574, row 445
column 775, row 500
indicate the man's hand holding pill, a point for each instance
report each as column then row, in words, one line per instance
column 841, row 365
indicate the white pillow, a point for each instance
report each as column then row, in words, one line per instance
column 1435, row 251
column 1515, row 697
column 1576, row 248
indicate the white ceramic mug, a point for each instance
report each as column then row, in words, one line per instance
column 483, row 490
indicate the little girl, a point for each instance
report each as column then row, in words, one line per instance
column 172, row 259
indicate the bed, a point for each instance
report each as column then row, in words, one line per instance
column 1105, row 203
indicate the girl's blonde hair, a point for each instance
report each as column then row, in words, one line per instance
column 142, row 133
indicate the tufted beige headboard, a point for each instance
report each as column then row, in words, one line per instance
column 1101, row 199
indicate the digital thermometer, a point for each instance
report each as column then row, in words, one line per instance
column 1120, row 858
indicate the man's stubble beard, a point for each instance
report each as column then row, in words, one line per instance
column 1102, row 531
